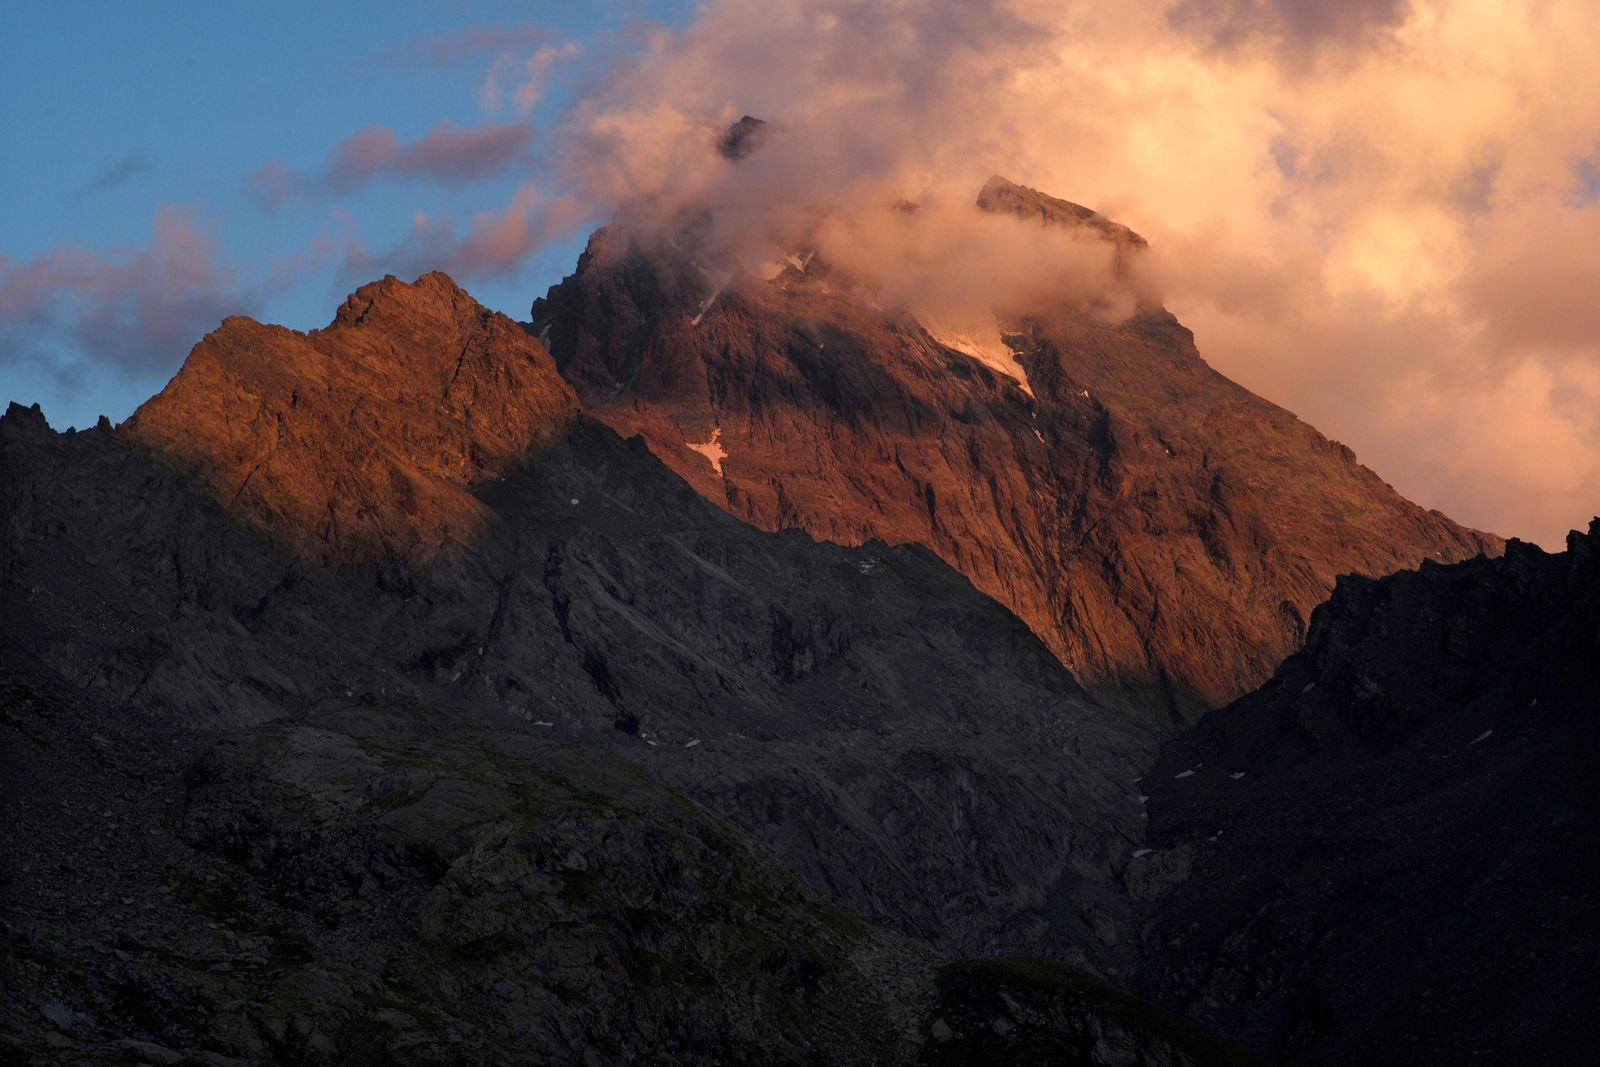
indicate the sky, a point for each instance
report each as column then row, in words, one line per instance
column 1382, row 214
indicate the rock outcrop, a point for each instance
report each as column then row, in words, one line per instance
column 363, row 437
column 1165, row 532
column 1390, row 847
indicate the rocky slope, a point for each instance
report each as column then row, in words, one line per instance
column 403, row 885
column 1162, row 530
column 899, row 738
column 270, row 689
column 362, row 437
column 1390, row 848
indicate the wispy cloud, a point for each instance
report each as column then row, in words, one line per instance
column 138, row 308
column 447, row 153
column 494, row 242
column 519, row 81
column 117, row 173
column 456, row 47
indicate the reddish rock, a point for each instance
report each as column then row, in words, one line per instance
column 362, row 437
column 1165, row 531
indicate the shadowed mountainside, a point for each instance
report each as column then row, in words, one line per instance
column 1390, row 847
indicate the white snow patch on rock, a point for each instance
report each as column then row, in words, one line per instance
column 1143, row 852
column 719, row 281
column 711, row 449
column 1184, row 774
column 1481, row 737
column 1236, row 775
column 693, row 743
column 977, row 336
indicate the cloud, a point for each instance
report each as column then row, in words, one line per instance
column 1297, row 25
column 520, row 80
column 137, row 309
column 447, row 153
column 118, row 173
column 495, row 242
column 451, row 48
column 1380, row 214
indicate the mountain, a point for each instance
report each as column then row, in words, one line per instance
column 362, row 437
column 364, row 700
column 1165, row 532
column 336, row 775
column 1388, row 852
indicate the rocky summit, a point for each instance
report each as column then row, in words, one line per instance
column 1165, row 532
column 767, row 675
column 363, row 437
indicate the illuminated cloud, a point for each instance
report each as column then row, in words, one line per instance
column 138, row 309
column 450, row 48
column 520, row 80
column 1381, row 214
column 448, row 153
column 495, row 242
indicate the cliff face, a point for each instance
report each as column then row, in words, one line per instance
column 1164, row 531
column 364, row 436
column 1389, row 848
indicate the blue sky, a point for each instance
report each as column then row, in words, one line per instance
column 146, row 144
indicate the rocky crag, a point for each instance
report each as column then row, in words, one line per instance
column 1165, row 532
column 1388, row 850
column 387, row 787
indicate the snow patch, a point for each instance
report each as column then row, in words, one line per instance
column 1143, row 852
column 976, row 336
column 719, row 281
column 541, row 722
column 711, row 449
column 1481, row 737
column 1185, row 774
column 693, row 743
column 1236, row 775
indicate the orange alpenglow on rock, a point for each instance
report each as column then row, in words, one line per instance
column 1163, row 530
column 363, row 437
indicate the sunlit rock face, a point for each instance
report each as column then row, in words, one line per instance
column 364, row 436
column 1162, row 529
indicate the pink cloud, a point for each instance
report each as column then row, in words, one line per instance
column 447, row 153
column 495, row 242
column 455, row 47
column 139, row 308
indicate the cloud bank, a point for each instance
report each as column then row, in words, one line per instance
column 136, row 309
column 447, row 153
column 1382, row 214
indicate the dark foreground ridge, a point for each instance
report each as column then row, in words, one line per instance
column 1390, row 847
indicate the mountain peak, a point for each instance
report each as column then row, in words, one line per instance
column 362, row 436
column 1001, row 195
column 742, row 138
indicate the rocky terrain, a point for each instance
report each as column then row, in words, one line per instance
column 289, row 725
column 365, row 700
column 400, row 885
column 1389, row 849
column 1165, row 532
column 360, row 438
